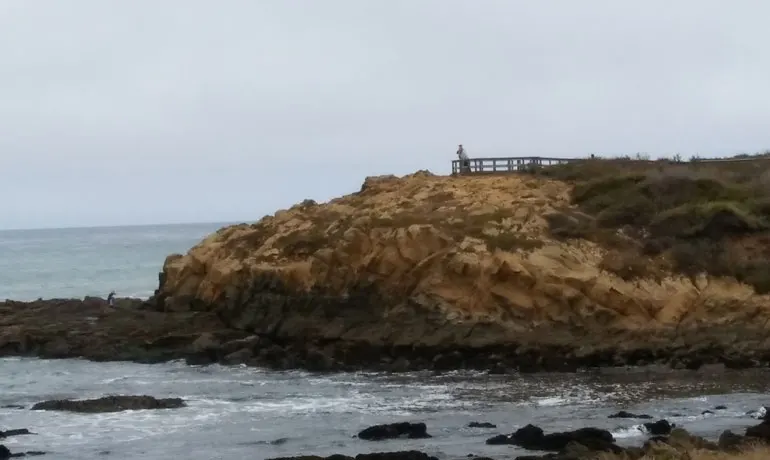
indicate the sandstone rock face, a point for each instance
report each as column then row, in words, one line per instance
column 453, row 264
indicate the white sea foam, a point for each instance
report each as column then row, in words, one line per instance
column 550, row 401
column 629, row 432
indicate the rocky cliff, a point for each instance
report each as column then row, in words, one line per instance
column 435, row 271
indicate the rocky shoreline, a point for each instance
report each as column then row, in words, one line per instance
column 663, row 438
column 134, row 330
column 582, row 443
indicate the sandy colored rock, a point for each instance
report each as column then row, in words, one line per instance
column 439, row 261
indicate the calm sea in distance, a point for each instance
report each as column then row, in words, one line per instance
column 78, row 262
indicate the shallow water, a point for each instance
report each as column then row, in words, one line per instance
column 239, row 412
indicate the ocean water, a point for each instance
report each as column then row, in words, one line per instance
column 80, row 262
column 238, row 412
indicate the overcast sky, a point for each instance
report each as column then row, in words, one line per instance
column 145, row 111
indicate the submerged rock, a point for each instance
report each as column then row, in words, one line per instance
column 481, row 425
column 624, row 414
column 406, row 455
column 110, row 404
column 17, row 432
column 6, row 453
column 395, row 430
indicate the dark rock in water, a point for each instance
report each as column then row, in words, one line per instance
column 720, row 408
column 19, row 432
column 406, row 455
column 532, row 437
column 761, row 431
column 499, row 440
column 624, row 414
column 481, row 425
column 730, row 441
column 707, row 412
column 395, row 430
column 13, row 406
column 659, row 428
column 5, row 453
column 110, row 404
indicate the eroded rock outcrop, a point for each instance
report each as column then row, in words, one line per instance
column 434, row 270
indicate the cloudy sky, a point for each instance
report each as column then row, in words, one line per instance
column 129, row 112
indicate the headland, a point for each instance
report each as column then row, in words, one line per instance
column 586, row 264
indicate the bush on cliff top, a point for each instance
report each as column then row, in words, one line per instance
column 700, row 216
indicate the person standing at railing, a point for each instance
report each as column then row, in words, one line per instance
column 465, row 162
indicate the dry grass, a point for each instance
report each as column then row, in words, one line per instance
column 662, row 452
column 691, row 217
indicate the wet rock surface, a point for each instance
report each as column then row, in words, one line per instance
column 533, row 438
column 624, row 414
column 135, row 331
column 404, row 430
column 15, row 432
column 659, row 428
column 5, row 452
column 585, row 443
column 481, row 425
column 406, row 455
column 109, row 404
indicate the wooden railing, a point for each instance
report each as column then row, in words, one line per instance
column 514, row 164
column 503, row 165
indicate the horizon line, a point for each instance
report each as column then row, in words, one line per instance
column 108, row 226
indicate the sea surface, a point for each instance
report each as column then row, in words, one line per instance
column 237, row 412
column 78, row 262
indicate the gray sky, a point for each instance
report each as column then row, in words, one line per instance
column 118, row 112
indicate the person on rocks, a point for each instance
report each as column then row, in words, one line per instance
column 465, row 162
column 111, row 299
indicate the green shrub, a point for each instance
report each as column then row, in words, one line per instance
column 689, row 213
column 570, row 224
column 714, row 220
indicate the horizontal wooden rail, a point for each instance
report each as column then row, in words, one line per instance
column 500, row 165
column 515, row 164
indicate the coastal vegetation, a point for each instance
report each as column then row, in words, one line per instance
column 692, row 217
column 665, row 452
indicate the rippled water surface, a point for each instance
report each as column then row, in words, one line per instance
column 238, row 412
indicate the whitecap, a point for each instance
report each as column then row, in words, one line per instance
column 550, row 401
column 629, row 432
